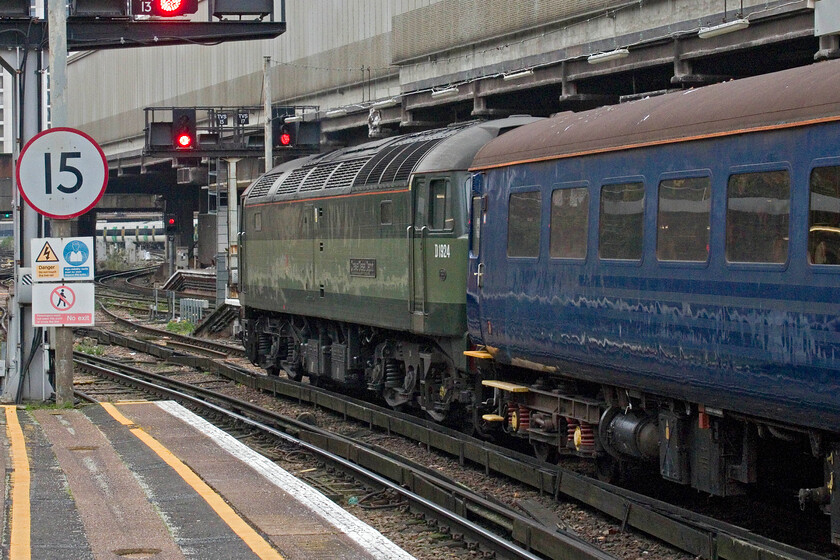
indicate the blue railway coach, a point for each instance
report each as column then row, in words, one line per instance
column 660, row 281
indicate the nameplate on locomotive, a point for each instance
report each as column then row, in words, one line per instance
column 363, row 268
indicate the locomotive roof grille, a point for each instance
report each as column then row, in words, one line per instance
column 345, row 173
column 291, row 183
column 264, row 184
column 381, row 163
column 397, row 161
column 318, row 177
column 412, row 159
column 371, row 172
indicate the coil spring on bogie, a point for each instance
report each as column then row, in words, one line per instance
column 587, row 437
column 571, row 427
column 519, row 417
column 282, row 350
column 264, row 345
column 580, row 435
column 290, row 347
column 524, row 418
column 393, row 375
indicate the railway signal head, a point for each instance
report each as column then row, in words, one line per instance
column 183, row 129
column 285, row 135
column 171, row 224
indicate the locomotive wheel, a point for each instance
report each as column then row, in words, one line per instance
column 546, row 452
column 273, row 371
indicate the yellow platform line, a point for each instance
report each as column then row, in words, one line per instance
column 20, row 547
column 255, row 542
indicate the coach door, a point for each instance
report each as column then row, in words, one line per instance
column 475, row 274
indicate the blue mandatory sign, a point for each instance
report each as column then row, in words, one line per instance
column 76, row 254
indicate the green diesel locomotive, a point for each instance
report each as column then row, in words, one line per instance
column 353, row 266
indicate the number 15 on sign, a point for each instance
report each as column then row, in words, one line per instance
column 62, row 173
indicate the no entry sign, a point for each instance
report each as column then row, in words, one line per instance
column 62, row 305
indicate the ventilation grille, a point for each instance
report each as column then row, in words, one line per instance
column 345, row 174
column 392, row 163
column 292, row 182
column 263, row 185
column 371, row 172
column 396, row 162
column 318, row 177
column 403, row 170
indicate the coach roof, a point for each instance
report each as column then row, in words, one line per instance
column 788, row 98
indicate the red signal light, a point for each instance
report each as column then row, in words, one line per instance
column 285, row 139
column 184, row 141
column 171, row 221
column 170, row 6
column 163, row 8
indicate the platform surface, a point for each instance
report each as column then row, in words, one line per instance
column 153, row 480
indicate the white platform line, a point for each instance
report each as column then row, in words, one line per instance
column 366, row 536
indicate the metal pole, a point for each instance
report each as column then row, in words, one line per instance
column 57, row 18
column 269, row 141
column 233, row 231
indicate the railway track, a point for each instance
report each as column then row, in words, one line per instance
column 465, row 513
column 182, row 341
column 696, row 534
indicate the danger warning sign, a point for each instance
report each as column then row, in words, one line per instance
column 62, row 259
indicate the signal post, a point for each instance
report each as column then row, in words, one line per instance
column 92, row 25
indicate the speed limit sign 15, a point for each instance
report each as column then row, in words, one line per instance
column 62, row 173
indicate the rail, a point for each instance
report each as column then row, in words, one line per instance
column 691, row 532
column 424, row 490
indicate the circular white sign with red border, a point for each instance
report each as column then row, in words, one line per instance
column 62, row 173
column 62, row 298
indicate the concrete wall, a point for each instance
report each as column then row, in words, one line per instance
column 344, row 52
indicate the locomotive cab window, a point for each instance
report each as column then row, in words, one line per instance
column 433, row 205
column 824, row 217
column 758, row 217
column 569, row 223
column 524, row 224
column 440, row 205
column 682, row 223
column 621, row 224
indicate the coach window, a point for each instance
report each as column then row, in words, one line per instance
column 569, row 223
column 524, row 224
column 621, row 226
column 440, row 205
column 824, row 220
column 475, row 230
column 758, row 217
column 258, row 221
column 386, row 213
column 683, row 221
